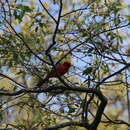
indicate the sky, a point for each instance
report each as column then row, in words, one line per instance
column 77, row 63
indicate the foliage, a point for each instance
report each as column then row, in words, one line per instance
column 36, row 35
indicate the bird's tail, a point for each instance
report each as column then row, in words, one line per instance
column 41, row 82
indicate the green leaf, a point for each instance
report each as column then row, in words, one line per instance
column 19, row 15
column 105, row 68
column 117, row 21
column 41, row 25
column 128, row 17
column 20, row 12
column 112, row 36
column 71, row 110
column 24, row 8
column 87, row 71
column 90, row 50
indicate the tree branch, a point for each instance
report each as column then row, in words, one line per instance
column 47, row 11
column 95, row 91
column 3, row 75
column 74, row 123
column 56, row 29
column 115, row 73
column 76, row 10
column 26, row 44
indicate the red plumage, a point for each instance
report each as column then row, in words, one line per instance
column 61, row 70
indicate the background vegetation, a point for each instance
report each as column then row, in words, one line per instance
column 93, row 35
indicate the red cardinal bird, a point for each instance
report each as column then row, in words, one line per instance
column 61, row 70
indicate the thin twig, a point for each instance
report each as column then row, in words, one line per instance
column 115, row 73
column 47, row 11
column 56, row 29
column 3, row 75
column 26, row 44
column 76, row 10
